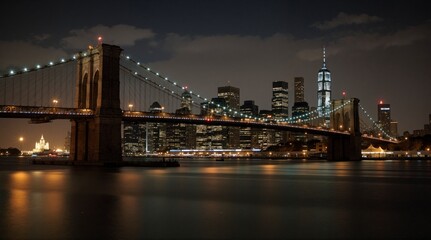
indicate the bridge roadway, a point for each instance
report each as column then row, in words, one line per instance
column 46, row 114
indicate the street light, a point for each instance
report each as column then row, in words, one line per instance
column 21, row 139
column 55, row 101
column 130, row 107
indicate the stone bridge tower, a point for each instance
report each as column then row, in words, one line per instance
column 345, row 118
column 98, row 88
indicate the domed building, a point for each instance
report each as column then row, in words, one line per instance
column 41, row 146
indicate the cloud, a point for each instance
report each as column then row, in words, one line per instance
column 42, row 37
column 122, row 35
column 21, row 53
column 369, row 41
column 357, row 60
column 346, row 19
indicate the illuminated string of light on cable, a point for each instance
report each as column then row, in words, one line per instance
column 376, row 124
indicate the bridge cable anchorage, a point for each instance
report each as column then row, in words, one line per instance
column 376, row 125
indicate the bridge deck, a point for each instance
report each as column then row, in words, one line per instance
column 45, row 114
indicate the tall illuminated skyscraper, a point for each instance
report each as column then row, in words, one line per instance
column 231, row 95
column 280, row 100
column 324, row 90
column 299, row 89
column 384, row 116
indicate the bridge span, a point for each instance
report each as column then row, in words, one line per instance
column 99, row 106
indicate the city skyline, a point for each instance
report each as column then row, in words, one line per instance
column 373, row 54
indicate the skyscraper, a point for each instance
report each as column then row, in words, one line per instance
column 300, row 107
column 324, row 90
column 248, row 136
column 299, row 89
column 156, row 132
column 384, row 116
column 280, row 100
column 231, row 95
column 186, row 101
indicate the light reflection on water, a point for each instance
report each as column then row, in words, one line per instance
column 208, row 199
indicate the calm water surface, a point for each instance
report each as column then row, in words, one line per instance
column 247, row 199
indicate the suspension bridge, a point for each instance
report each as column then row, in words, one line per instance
column 100, row 88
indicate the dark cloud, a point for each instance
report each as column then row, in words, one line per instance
column 122, row 35
column 346, row 19
column 370, row 66
column 26, row 54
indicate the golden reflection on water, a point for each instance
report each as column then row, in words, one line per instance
column 341, row 169
column 269, row 169
column 24, row 207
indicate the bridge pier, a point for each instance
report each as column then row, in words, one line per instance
column 98, row 139
column 344, row 148
column 345, row 117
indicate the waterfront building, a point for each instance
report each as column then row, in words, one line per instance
column 41, row 146
column 248, row 136
column 134, row 138
column 182, row 135
column 212, row 137
column 156, row 132
column 324, row 92
column 266, row 137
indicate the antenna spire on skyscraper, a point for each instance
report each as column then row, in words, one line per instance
column 324, row 56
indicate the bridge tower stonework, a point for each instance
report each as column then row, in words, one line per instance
column 345, row 117
column 98, row 88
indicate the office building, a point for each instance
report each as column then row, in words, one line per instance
column 280, row 100
column 156, row 132
column 248, row 137
column 384, row 117
column 231, row 95
column 324, row 91
column 299, row 89
column 232, row 98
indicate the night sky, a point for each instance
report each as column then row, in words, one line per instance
column 376, row 50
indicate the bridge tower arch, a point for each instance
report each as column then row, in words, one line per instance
column 345, row 117
column 98, row 88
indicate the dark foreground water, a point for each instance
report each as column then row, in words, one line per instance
column 248, row 199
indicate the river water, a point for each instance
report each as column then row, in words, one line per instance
column 207, row 199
